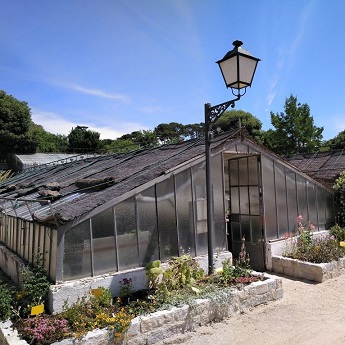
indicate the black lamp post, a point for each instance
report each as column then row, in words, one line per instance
column 238, row 68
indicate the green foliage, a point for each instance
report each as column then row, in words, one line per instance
column 316, row 250
column 80, row 140
column 141, row 138
column 181, row 272
column 339, row 196
column 169, row 132
column 233, row 119
column 15, row 118
column 337, row 143
column 47, row 142
column 93, row 312
column 119, row 145
column 6, row 300
column 294, row 130
column 338, row 232
column 35, row 286
column 240, row 273
column 153, row 272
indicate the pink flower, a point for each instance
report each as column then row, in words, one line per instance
column 299, row 219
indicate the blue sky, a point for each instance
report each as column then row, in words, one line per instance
column 119, row 66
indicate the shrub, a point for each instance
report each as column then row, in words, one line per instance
column 339, row 196
column 338, row 232
column 316, row 250
column 35, row 286
column 6, row 300
column 91, row 312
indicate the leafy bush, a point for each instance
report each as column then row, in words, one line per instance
column 316, row 250
column 91, row 312
column 6, row 300
column 339, row 196
column 338, row 232
column 35, row 287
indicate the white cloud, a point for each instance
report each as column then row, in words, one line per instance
column 56, row 124
column 98, row 93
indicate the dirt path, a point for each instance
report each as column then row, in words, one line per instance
column 307, row 314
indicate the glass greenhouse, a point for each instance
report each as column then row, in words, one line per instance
column 151, row 204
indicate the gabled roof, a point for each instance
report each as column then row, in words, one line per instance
column 114, row 174
column 321, row 166
column 74, row 189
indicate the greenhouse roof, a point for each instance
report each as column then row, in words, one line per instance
column 324, row 167
column 35, row 159
column 60, row 193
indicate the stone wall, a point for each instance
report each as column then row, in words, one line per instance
column 155, row 327
column 307, row 270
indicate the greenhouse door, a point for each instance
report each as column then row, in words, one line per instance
column 245, row 205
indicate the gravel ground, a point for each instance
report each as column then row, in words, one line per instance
column 309, row 313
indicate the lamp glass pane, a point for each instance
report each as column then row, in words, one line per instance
column 229, row 70
column 247, row 70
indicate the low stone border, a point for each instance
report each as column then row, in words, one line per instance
column 157, row 326
column 307, row 270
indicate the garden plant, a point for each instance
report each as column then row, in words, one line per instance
column 179, row 283
column 316, row 250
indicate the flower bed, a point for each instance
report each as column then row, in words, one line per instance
column 155, row 327
column 317, row 272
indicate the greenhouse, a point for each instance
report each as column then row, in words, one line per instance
column 111, row 213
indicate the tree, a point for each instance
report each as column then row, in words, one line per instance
column 47, row 142
column 141, row 138
column 80, row 139
column 336, row 143
column 194, row 131
column 15, row 119
column 294, row 130
column 169, row 132
column 232, row 119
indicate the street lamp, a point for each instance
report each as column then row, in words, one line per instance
column 238, row 68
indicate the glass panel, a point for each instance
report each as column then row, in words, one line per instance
column 218, row 200
column 233, row 172
column 236, row 230
column 253, row 170
column 312, row 207
column 127, row 243
column 53, row 256
column 147, row 226
column 103, row 242
column 321, row 207
column 242, row 148
column 184, row 208
column 256, row 229
column 302, row 197
column 31, row 239
column 281, row 200
column 270, row 220
column 47, row 245
column 330, row 216
column 167, row 219
column 243, row 171
column 291, row 200
column 245, row 228
column 235, row 200
column 244, row 200
column 199, row 185
column 254, row 200
column 77, row 255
